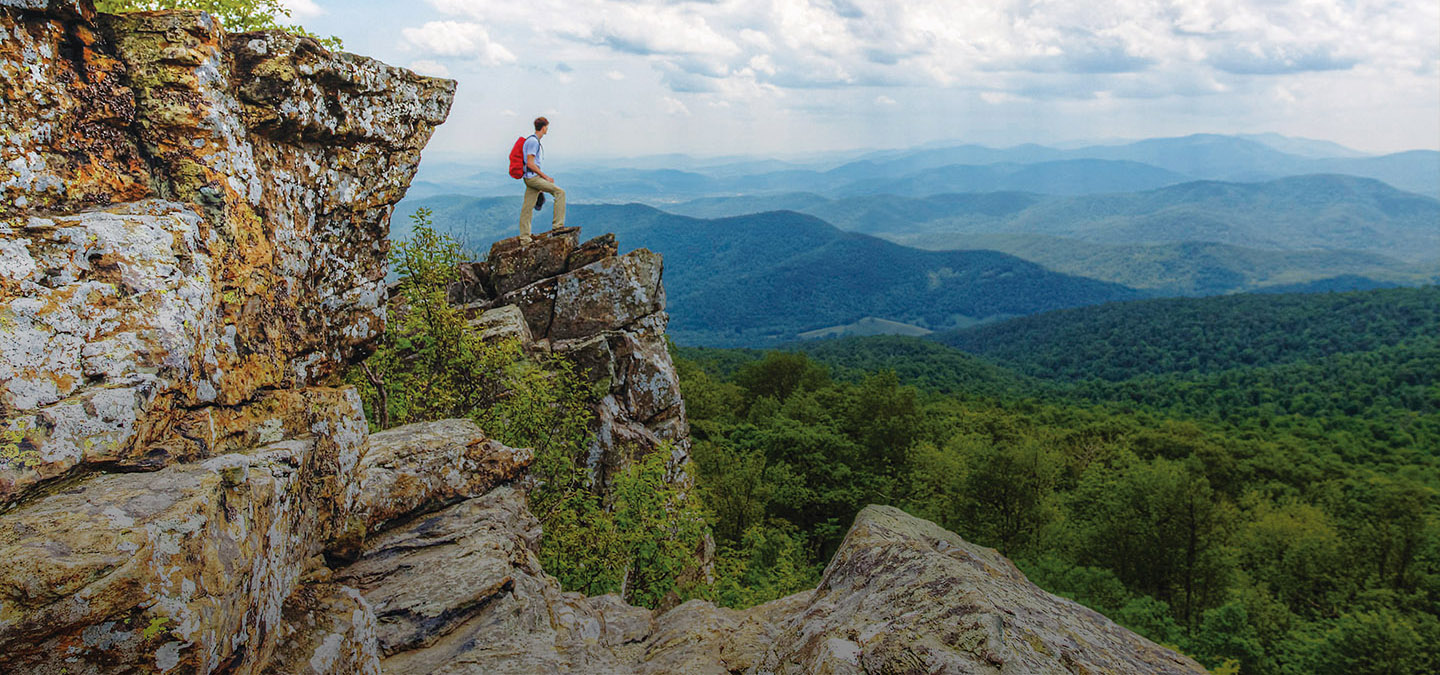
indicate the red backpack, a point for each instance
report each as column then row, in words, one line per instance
column 517, row 158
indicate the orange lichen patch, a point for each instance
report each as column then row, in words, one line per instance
column 66, row 115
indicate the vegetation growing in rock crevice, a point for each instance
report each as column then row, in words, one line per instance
column 431, row 364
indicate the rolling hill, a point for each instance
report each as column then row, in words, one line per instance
column 1324, row 211
column 1191, row 268
column 762, row 279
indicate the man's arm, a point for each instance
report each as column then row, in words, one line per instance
column 530, row 164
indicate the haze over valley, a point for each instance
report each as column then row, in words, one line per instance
column 764, row 251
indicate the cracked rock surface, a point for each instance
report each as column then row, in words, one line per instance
column 187, row 218
column 603, row 311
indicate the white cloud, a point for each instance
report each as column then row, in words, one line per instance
column 993, row 45
column 1050, row 54
column 431, row 68
column 457, row 39
column 302, row 9
column 998, row 97
column 885, row 100
column 673, row 106
column 615, row 75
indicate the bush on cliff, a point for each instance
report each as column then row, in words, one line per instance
column 431, row 364
column 237, row 16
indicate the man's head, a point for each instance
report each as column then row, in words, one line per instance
column 542, row 125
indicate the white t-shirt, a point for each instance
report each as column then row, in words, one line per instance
column 532, row 147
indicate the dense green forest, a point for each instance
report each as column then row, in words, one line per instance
column 1272, row 506
column 1193, row 335
column 1276, row 518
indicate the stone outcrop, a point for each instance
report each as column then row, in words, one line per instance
column 187, row 218
column 192, row 247
column 603, row 311
column 461, row 591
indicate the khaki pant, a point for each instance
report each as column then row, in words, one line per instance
column 533, row 187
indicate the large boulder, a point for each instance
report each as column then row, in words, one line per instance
column 904, row 595
column 461, row 591
column 422, row 467
column 606, row 313
column 328, row 629
column 185, row 567
column 193, row 241
column 606, row 295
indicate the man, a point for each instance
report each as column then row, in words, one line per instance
column 537, row 181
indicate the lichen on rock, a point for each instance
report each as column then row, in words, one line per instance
column 187, row 218
column 606, row 313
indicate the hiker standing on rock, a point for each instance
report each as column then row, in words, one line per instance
column 528, row 151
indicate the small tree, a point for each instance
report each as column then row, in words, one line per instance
column 431, row 364
column 237, row 16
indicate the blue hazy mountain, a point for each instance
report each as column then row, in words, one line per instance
column 1303, row 147
column 922, row 172
column 1197, row 268
column 1301, row 213
column 1327, row 212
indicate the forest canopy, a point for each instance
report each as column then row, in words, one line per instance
column 1272, row 518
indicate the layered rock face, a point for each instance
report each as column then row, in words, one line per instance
column 605, row 313
column 187, row 218
column 192, row 245
column 462, row 592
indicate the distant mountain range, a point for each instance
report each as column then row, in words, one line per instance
column 1197, row 268
column 1132, row 166
column 1329, row 212
column 762, row 251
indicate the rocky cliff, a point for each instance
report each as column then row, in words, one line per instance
column 606, row 313
column 192, row 246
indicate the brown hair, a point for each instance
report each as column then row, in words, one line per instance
column 541, row 123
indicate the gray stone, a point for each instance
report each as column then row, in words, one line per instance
column 903, row 594
column 595, row 250
column 592, row 356
column 187, row 219
column 328, row 629
column 503, row 323
column 187, row 563
column 536, row 303
column 462, row 591
column 421, row 467
column 607, row 295
column 513, row 265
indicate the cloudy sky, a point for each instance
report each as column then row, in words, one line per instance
column 784, row 77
